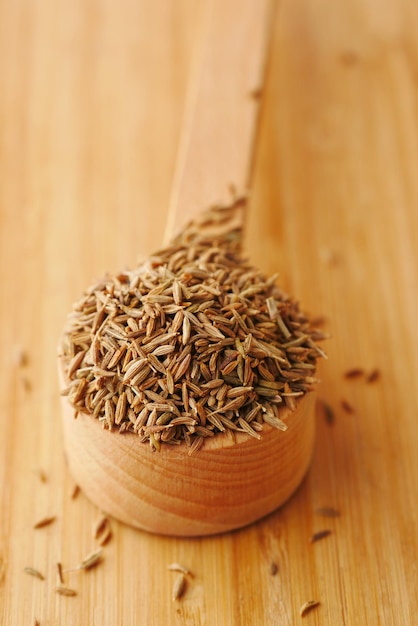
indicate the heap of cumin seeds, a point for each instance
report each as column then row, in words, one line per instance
column 193, row 342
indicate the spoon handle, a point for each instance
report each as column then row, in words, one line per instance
column 223, row 101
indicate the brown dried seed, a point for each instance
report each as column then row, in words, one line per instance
column 329, row 414
column 355, row 372
column 177, row 567
column 308, row 606
column 75, row 492
column 100, row 526
column 91, row 560
column 274, row 568
column 348, row 408
column 20, row 357
column 34, row 572
column 179, row 587
column 60, row 574
column 36, row 622
column 45, row 521
column 328, row 511
column 120, row 408
column 42, row 476
column 320, row 534
column 65, row 591
column 246, row 426
column 106, row 536
column 373, row 376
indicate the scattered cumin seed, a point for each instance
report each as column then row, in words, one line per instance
column 36, row 622
column 91, row 560
column 75, row 492
column 328, row 414
column 45, row 521
column 20, row 357
column 34, row 572
column 106, row 536
column 274, row 568
column 373, row 376
column 355, row 372
column 328, row 511
column 320, row 534
column 348, row 408
column 27, row 385
column 179, row 587
column 42, row 475
column 100, row 526
column 256, row 93
column 60, row 574
column 308, row 606
column 65, row 591
column 177, row 567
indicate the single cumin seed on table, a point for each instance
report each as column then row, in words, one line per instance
column 65, row 591
column 75, row 491
column 100, row 526
column 308, row 606
column 328, row 511
column 45, row 521
column 328, row 414
column 179, row 587
column 373, row 376
column 320, row 534
column 274, row 568
column 105, row 537
column 355, row 372
column 59, row 572
column 42, row 475
column 177, row 567
column 348, row 408
column 92, row 560
column 34, row 572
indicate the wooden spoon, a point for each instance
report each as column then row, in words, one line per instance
column 230, row 482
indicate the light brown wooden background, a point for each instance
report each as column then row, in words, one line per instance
column 91, row 101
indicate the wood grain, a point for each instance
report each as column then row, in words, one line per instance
column 219, row 127
column 91, row 100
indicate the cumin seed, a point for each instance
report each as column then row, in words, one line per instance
column 100, row 526
column 320, row 534
column 348, row 408
column 179, row 587
column 60, row 574
column 75, row 492
column 328, row 413
column 177, row 567
column 373, row 376
column 91, row 560
column 34, row 572
column 308, row 606
column 274, row 568
column 328, row 511
column 355, row 372
column 65, row 591
column 45, row 521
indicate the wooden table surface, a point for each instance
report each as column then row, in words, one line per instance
column 92, row 94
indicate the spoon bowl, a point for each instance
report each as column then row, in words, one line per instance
column 229, row 483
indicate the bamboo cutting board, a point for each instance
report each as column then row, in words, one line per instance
column 91, row 100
